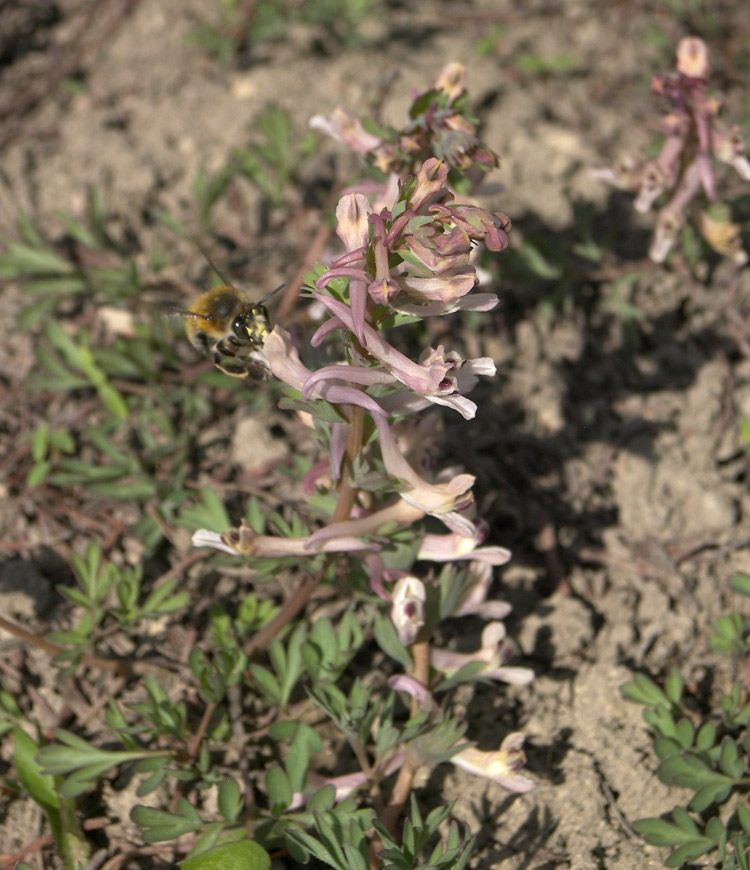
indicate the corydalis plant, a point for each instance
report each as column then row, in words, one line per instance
column 684, row 169
column 403, row 262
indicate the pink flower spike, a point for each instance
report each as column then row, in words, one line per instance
column 283, row 360
column 706, row 173
column 404, row 683
column 358, row 303
column 338, row 448
column 499, row 766
column 377, row 571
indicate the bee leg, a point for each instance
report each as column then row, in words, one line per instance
column 233, row 369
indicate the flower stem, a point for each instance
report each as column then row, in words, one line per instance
column 347, row 498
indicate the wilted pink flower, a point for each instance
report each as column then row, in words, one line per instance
column 724, row 237
column 500, row 766
column 729, row 147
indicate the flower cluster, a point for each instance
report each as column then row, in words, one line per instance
column 439, row 125
column 684, row 168
column 407, row 258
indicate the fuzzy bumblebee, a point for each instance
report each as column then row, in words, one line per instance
column 225, row 325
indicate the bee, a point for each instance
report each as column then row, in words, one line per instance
column 225, row 325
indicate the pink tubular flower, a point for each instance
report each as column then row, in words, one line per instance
column 397, row 515
column 352, row 215
column 494, row 652
column 500, row 766
column 282, row 360
column 450, row 548
column 347, row 784
column 245, row 541
column 421, row 379
column 346, row 128
column 475, row 599
column 407, row 608
column 452, row 80
column 404, row 683
column 441, row 500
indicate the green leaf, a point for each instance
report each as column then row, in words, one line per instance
column 324, row 799
column 665, row 747
column 685, row 733
column 242, row 855
column 267, row 683
column 706, row 737
column 113, row 401
column 209, row 513
column 691, row 772
column 689, row 852
column 659, row 832
column 711, row 793
column 740, row 583
column 279, row 788
column 673, row 686
column 38, row 474
column 385, row 635
column 152, row 782
column 729, row 760
column 642, row 690
column 36, row 261
column 537, row 263
column 39, row 785
column 230, row 800
column 160, row 825
column 298, row 760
